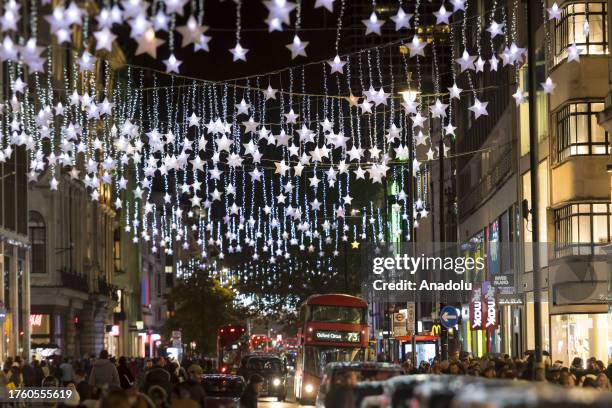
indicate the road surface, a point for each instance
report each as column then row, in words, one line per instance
column 272, row 403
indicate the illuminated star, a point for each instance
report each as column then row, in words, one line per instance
column 239, row 53
column 104, row 39
column 573, row 53
column 466, row 61
column 548, row 86
column 554, row 12
column 337, row 65
column 191, row 32
column 270, row 93
column 496, row 29
column 455, row 91
column 355, row 244
column 519, row 96
column 328, row 4
column 172, row 64
column 401, row 19
column 373, row 24
column 416, row 47
column 148, row 43
column 479, row 108
column 297, row 47
column 442, row 15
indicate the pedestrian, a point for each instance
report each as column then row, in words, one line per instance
column 29, row 375
column 126, row 378
column 38, row 373
column 249, row 397
column 82, row 386
column 103, row 373
column 67, row 372
column 193, row 384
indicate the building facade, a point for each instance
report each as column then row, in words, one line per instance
column 494, row 193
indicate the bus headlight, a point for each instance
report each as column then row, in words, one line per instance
column 308, row 388
column 276, row 382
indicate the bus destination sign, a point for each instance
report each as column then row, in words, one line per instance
column 337, row 336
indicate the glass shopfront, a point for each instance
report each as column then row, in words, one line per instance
column 582, row 335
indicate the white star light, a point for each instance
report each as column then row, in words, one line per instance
column 416, row 47
column 573, row 53
column 554, row 12
column 239, row 53
column 337, row 65
column 455, row 92
column 297, row 47
column 328, row 4
column 270, row 93
column 479, row 108
column 401, row 19
column 466, row 61
column 104, row 40
column 172, row 64
column 548, row 86
column 519, row 96
column 442, row 15
column 496, row 29
column 373, row 24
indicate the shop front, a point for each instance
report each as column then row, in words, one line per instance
column 582, row 335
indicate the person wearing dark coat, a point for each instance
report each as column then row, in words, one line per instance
column 29, row 375
column 83, row 388
column 39, row 373
column 157, row 377
column 249, row 397
column 126, row 378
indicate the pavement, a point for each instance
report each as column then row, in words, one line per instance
column 272, row 403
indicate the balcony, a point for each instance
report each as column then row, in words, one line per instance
column 106, row 289
column 73, row 280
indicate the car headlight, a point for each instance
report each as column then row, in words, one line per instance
column 276, row 382
column 309, row 388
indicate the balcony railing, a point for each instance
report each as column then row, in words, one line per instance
column 106, row 289
column 470, row 200
column 73, row 280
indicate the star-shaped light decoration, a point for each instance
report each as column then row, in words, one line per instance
column 270, row 93
column 328, row 4
column 191, row 32
column 455, row 91
column 548, row 86
column 519, row 96
column 239, row 53
column 479, row 108
column 172, row 64
column 337, row 65
column 554, row 12
column 175, row 6
column 291, row 116
column 373, row 24
column 466, row 61
column 496, row 28
column 104, row 40
column 401, row 19
column 573, row 53
column 438, row 109
column 148, row 43
column 242, row 108
column 297, row 47
column 416, row 47
column 442, row 15
column 458, row 5
column 86, row 62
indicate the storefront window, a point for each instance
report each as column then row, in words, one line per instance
column 580, row 335
column 581, row 229
column 571, row 29
column 578, row 132
column 38, row 238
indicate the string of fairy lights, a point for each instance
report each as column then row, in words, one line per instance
column 218, row 168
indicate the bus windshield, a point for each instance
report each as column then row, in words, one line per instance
column 317, row 357
column 337, row 314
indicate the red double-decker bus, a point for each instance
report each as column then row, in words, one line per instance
column 331, row 328
column 232, row 344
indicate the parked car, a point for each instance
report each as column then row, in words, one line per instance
column 347, row 375
column 223, row 390
column 272, row 368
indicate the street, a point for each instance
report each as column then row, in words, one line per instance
column 272, row 403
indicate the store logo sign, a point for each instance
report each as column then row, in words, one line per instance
column 476, row 307
column 491, row 305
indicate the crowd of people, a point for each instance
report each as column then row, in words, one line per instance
column 106, row 382
column 593, row 374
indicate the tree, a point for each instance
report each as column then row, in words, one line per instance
column 201, row 306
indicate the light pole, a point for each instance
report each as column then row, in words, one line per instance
column 538, row 367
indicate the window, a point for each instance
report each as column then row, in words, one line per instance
column 571, row 30
column 338, row 314
column 578, row 132
column 117, row 249
column 580, row 229
column 38, row 238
